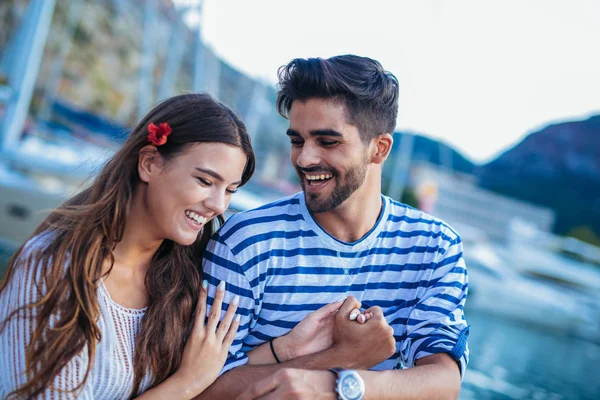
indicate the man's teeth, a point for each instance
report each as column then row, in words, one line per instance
column 196, row 217
column 318, row 177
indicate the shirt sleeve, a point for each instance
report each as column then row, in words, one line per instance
column 220, row 264
column 437, row 323
column 16, row 335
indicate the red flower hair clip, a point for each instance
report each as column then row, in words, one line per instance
column 157, row 135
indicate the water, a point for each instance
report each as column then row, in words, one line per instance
column 511, row 360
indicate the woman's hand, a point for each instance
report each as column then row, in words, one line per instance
column 313, row 334
column 206, row 349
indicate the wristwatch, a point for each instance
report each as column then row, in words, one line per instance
column 349, row 384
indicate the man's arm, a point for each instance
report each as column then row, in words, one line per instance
column 356, row 346
column 235, row 381
column 435, row 377
column 437, row 323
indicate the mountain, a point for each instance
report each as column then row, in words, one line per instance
column 435, row 152
column 557, row 167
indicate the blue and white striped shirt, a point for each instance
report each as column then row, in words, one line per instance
column 283, row 265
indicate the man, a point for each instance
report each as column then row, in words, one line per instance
column 341, row 237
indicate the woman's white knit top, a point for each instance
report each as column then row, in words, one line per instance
column 111, row 376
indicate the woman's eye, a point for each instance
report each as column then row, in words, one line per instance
column 204, row 182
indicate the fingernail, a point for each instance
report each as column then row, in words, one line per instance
column 235, row 300
column 238, row 317
column 354, row 314
column 221, row 286
column 361, row 318
column 204, row 284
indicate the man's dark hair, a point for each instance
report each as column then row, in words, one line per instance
column 368, row 92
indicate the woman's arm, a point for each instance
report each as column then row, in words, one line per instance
column 205, row 351
column 313, row 334
column 16, row 333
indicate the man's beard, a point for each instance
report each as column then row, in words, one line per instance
column 354, row 178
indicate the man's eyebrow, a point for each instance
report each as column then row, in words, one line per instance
column 326, row 132
column 316, row 132
column 215, row 175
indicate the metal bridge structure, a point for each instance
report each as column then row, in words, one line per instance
column 22, row 57
column 30, row 182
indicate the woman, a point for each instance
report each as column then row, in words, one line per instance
column 100, row 301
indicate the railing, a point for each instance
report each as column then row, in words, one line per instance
column 585, row 250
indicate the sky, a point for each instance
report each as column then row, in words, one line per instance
column 477, row 74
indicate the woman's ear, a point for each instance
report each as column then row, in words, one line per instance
column 383, row 146
column 149, row 162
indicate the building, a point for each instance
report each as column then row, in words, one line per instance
column 456, row 198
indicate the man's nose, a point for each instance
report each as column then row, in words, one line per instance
column 308, row 156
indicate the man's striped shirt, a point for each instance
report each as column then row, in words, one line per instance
column 283, row 265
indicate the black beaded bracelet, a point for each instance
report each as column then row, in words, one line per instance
column 273, row 351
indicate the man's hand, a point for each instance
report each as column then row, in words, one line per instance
column 363, row 345
column 313, row 334
column 293, row 384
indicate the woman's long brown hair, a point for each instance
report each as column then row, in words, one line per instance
column 85, row 230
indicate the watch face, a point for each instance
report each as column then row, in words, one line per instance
column 351, row 387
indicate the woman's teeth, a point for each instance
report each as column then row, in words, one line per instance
column 196, row 217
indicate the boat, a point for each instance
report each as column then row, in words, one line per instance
column 497, row 287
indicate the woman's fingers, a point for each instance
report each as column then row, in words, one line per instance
column 215, row 312
column 361, row 318
column 369, row 313
column 229, row 324
column 230, row 336
column 349, row 304
column 201, row 307
column 375, row 311
column 364, row 317
column 225, row 324
column 354, row 314
column 320, row 315
column 328, row 309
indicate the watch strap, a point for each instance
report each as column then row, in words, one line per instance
column 337, row 371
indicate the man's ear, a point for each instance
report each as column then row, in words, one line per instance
column 383, row 145
column 149, row 162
